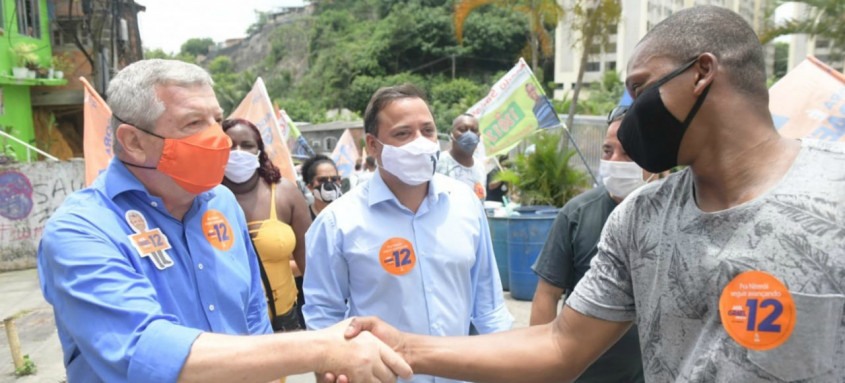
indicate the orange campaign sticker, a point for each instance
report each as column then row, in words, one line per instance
column 397, row 256
column 217, row 230
column 757, row 310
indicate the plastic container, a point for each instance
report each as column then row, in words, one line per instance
column 527, row 233
column 499, row 236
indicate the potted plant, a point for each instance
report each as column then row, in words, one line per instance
column 25, row 58
column 61, row 65
column 542, row 180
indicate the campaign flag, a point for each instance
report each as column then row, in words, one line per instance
column 257, row 108
column 513, row 109
column 345, row 154
column 97, row 137
column 809, row 102
column 297, row 144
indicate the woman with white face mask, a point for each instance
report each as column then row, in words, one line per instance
column 277, row 216
column 321, row 177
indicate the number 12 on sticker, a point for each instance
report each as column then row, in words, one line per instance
column 768, row 323
column 402, row 257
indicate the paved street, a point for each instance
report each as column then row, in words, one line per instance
column 21, row 296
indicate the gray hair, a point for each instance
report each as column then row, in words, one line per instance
column 693, row 31
column 132, row 92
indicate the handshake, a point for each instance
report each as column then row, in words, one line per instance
column 366, row 349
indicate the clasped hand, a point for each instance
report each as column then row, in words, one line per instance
column 369, row 353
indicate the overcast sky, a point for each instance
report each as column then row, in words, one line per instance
column 166, row 24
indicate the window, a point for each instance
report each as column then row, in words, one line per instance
column 593, row 66
column 610, row 65
column 29, row 20
column 330, row 143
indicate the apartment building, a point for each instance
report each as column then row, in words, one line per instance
column 638, row 17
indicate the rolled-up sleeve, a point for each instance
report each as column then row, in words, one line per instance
column 489, row 312
column 118, row 324
column 326, row 280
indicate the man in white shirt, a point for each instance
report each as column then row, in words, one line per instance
column 459, row 162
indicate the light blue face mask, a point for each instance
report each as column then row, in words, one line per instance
column 468, row 141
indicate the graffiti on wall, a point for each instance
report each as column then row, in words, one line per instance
column 29, row 194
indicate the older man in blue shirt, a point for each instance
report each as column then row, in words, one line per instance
column 149, row 267
column 409, row 246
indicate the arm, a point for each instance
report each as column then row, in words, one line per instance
column 300, row 221
column 554, row 352
column 544, row 304
column 555, row 269
column 489, row 313
column 326, row 283
column 108, row 310
column 226, row 358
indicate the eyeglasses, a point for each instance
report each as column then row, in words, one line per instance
column 334, row 179
column 617, row 113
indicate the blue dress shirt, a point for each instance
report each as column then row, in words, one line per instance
column 450, row 277
column 120, row 317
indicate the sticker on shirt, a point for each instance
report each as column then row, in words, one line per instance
column 397, row 256
column 757, row 311
column 150, row 244
column 479, row 190
column 217, row 230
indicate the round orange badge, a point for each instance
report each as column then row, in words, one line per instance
column 397, row 256
column 757, row 311
column 217, row 230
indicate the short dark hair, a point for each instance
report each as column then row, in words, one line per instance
column 266, row 169
column 371, row 161
column 309, row 167
column 702, row 29
column 383, row 97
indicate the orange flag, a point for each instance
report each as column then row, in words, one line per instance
column 257, row 108
column 97, row 137
column 809, row 102
column 345, row 154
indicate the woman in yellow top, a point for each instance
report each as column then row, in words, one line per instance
column 277, row 216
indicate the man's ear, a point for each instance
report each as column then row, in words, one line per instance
column 130, row 141
column 371, row 147
column 705, row 68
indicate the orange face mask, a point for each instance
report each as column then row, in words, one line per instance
column 197, row 162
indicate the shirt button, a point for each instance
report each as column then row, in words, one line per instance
column 200, row 266
column 210, row 307
column 154, row 204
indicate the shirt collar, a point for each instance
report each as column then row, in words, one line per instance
column 117, row 179
column 379, row 192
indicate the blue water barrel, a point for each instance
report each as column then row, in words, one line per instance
column 499, row 235
column 527, row 233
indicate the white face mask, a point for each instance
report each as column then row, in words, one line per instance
column 241, row 166
column 327, row 192
column 621, row 177
column 413, row 163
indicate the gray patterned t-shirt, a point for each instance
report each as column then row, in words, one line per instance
column 663, row 262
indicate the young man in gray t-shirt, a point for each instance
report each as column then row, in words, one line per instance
column 733, row 269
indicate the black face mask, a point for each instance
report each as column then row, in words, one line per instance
column 649, row 133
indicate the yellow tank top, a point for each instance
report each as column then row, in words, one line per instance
column 275, row 240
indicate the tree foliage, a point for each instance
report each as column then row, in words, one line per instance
column 542, row 17
column 197, row 46
column 346, row 49
column 592, row 21
column 823, row 18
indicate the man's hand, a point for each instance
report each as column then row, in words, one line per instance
column 361, row 357
column 383, row 331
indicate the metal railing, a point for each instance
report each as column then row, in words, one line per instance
column 29, row 148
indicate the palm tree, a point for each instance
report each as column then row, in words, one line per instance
column 824, row 18
column 543, row 15
column 591, row 23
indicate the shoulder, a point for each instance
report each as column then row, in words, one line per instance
column 456, row 190
column 87, row 210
